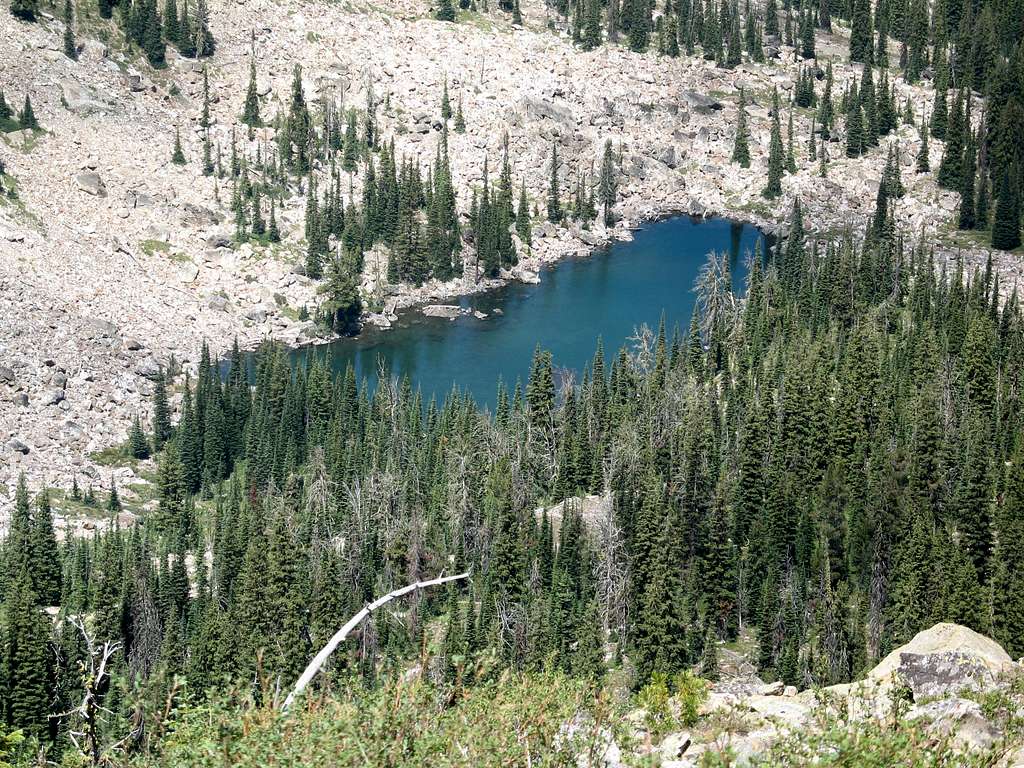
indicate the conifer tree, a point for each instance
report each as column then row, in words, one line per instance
column 638, row 15
column 177, row 156
column 950, row 169
column 460, row 120
column 790, row 154
column 554, row 200
column 807, row 50
column 25, row 10
column 709, row 657
column 861, row 41
column 1008, row 559
column 967, row 217
column 939, row 113
column 26, row 657
column 592, row 26
column 923, row 164
column 608, row 183
column 1006, row 227
column 524, row 228
column 27, row 117
column 981, row 207
column 153, row 37
column 161, row 412
column 204, row 41
column 251, row 108
column 273, row 233
column 70, row 47
column 776, row 161
column 46, row 573
column 172, row 30
column 445, row 11
column 446, row 104
column 741, row 144
column 113, row 500
column 855, row 140
column 138, row 446
column 771, row 19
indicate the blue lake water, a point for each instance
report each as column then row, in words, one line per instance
column 608, row 294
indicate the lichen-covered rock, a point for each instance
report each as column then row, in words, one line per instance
column 943, row 660
column 961, row 718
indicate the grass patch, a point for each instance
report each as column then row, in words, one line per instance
column 8, row 200
column 972, row 238
column 29, row 139
column 152, row 247
column 483, row 22
column 114, row 456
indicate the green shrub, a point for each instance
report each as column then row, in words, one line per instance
column 516, row 720
column 691, row 693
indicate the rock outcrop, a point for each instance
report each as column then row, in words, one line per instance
column 941, row 667
column 944, row 660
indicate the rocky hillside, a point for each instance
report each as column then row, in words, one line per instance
column 113, row 259
column 953, row 695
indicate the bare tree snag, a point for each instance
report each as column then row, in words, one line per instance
column 321, row 658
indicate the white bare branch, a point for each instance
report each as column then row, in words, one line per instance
column 321, row 658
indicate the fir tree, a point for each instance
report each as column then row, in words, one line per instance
column 25, row 10
column 445, row 11
column 592, row 26
column 923, row 164
column 776, row 161
column 177, row 156
column 1008, row 559
column 153, row 38
column 251, row 108
column 861, row 42
column 26, row 658
column 70, row 46
column 113, row 500
column 554, row 200
column 607, row 183
column 523, row 226
column 460, row 120
column 446, row 104
column 950, row 169
column 1006, row 227
column 138, row 446
column 27, row 117
column 741, row 144
column 967, row 217
column 161, row 412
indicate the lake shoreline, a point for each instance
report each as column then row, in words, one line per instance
column 409, row 305
column 609, row 291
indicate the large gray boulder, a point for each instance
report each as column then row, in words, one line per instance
column 99, row 327
column 82, row 99
column 960, row 718
column 442, row 310
column 700, row 103
column 541, row 109
column 91, row 183
column 944, row 660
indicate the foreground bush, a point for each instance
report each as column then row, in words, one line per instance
column 517, row 720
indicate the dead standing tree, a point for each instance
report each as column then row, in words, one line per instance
column 87, row 716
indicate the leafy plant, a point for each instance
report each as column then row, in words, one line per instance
column 691, row 693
